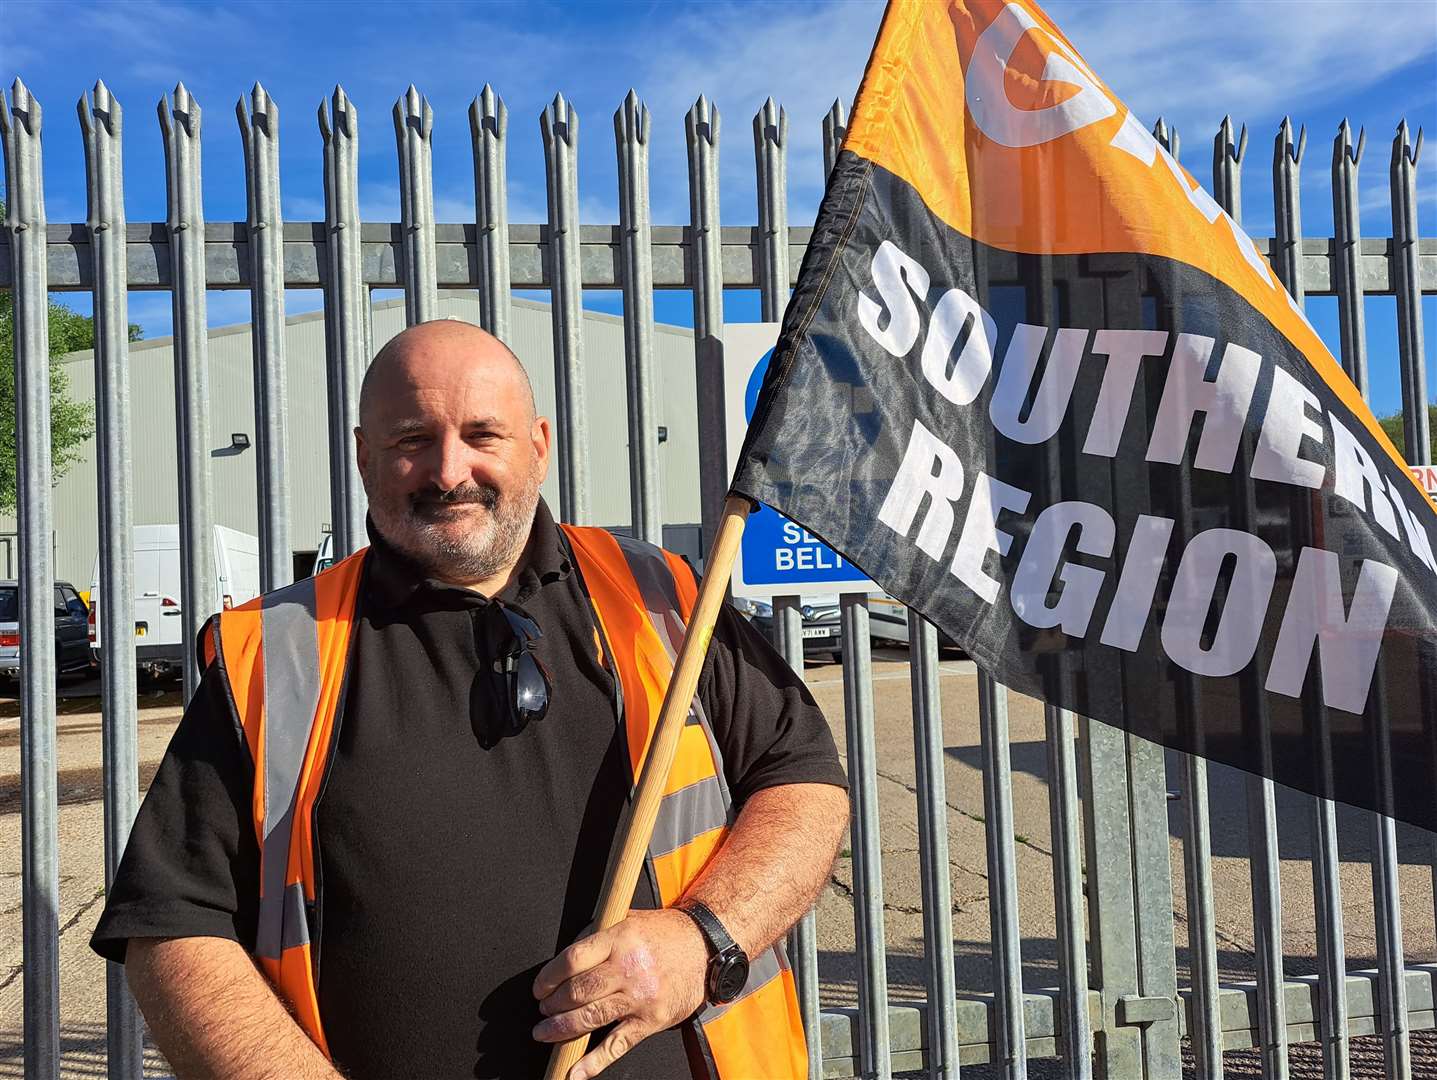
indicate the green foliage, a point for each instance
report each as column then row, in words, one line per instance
column 71, row 422
column 1394, row 427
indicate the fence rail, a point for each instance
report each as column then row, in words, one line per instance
column 460, row 257
column 1118, row 1012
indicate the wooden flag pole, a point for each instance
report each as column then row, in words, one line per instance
column 638, row 827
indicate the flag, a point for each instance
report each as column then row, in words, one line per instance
column 1040, row 387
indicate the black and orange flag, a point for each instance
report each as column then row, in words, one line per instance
column 1039, row 386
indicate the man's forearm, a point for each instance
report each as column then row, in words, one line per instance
column 774, row 862
column 214, row 1015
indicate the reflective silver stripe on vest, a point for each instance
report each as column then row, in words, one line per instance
column 295, row 931
column 714, row 750
column 657, row 586
column 761, row 972
column 689, row 812
column 291, row 675
column 661, row 602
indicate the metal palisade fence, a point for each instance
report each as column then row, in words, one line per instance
column 1118, row 1011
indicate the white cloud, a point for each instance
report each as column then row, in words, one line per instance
column 803, row 56
column 1192, row 61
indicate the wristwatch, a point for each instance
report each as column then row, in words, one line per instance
column 728, row 965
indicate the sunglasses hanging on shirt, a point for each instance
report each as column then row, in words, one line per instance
column 520, row 682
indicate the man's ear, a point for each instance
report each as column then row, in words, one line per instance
column 361, row 452
column 541, row 434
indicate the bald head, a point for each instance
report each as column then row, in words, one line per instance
column 451, row 452
column 445, row 343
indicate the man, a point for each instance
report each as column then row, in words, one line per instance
column 392, row 800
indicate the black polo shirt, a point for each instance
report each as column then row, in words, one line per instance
column 454, row 862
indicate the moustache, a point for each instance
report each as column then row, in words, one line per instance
column 424, row 503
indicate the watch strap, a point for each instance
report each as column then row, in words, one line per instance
column 714, row 932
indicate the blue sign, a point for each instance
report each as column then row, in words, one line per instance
column 775, row 550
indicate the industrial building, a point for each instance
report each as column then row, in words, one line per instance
column 232, row 430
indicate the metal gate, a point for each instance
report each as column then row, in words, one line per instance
column 1118, row 1011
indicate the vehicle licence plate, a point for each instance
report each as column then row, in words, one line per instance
column 817, row 631
column 141, row 629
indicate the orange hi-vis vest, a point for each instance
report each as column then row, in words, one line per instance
column 284, row 658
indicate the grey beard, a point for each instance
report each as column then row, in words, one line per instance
column 469, row 559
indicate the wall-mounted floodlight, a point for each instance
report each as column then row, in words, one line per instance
column 239, row 443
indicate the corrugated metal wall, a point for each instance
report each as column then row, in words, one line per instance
column 156, row 487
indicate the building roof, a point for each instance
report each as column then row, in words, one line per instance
column 379, row 305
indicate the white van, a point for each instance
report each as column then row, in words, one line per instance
column 324, row 558
column 159, row 644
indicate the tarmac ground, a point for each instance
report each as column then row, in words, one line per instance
column 82, row 974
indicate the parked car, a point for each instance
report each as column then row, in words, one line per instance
column 888, row 623
column 822, row 629
column 159, row 647
column 72, row 645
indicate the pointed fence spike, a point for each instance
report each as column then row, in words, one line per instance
column 488, row 123
column 413, row 127
column 489, row 113
column 702, row 119
column 631, row 131
column 1167, row 136
column 561, row 119
column 835, row 129
column 1400, row 144
column 770, row 129
column 631, row 120
column 346, row 116
column 558, row 124
column 26, row 108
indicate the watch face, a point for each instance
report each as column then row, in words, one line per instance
column 730, row 977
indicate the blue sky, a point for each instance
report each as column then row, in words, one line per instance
column 1190, row 61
